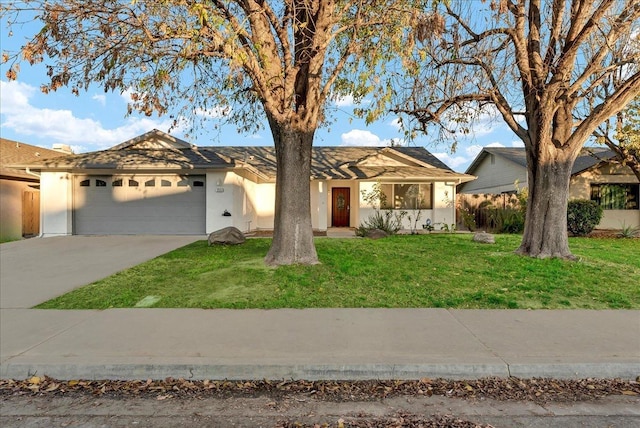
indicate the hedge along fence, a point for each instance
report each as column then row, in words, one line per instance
column 480, row 207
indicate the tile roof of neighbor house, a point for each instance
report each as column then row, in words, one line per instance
column 14, row 152
column 589, row 157
column 327, row 162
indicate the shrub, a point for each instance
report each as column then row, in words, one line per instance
column 629, row 231
column 583, row 216
column 388, row 220
column 506, row 220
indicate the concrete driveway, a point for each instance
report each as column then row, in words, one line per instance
column 38, row 269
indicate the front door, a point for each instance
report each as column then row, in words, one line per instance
column 340, row 207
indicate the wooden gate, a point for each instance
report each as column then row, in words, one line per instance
column 30, row 213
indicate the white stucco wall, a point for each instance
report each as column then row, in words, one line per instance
column 56, row 204
column 221, row 189
column 265, row 197
column 319, row 202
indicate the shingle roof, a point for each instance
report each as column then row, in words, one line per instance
column 589, row 157
column 327, row 162
column 14, row 152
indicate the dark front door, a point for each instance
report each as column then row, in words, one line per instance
column 340, row 207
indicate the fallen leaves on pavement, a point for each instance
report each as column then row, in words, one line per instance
column 536, row 389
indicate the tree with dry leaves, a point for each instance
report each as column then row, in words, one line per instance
column 540, row 65
column 253, row 59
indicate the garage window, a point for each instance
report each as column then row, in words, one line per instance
column 150, row 183
column 117, row 183
column 85, row 183
column 198, row 183
column 165, row 183
column 101, row 183
column 133, row 183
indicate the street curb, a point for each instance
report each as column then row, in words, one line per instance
column 317, row 372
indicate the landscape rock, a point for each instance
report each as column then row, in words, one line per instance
column 484, row 238
column 376, row 234
column 227, row 236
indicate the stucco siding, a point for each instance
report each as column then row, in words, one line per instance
column 265, row 205
column 220, row 193
column 56, row 204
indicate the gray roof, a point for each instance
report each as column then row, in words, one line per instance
column 14, row 152
column 589, row 157
column 327, row 162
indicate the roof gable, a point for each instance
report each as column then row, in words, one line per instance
column 588, row 158
column 154, row 140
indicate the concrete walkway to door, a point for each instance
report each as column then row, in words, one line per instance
column 38, row 269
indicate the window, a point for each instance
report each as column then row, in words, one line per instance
column 198, row 183
column 408, row 196
column 165, row 183
column 150, row 183
column 616, row 196
column 117, row 183
column 101, row 183
column 133, row 183
column 85, row 183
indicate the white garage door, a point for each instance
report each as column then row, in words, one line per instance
column 139, row 204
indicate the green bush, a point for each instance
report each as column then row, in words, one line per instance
column 583, row 216
column 506, row 220
column 388, row 220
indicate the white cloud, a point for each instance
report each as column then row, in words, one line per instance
column 101, row 98
column 517, row 143
column 473, row 150
column 364, row 138
column 359, row 137
column 396, row 124
column 451, row 161
column 346, row 101
column 62, row 126
column 495, row 144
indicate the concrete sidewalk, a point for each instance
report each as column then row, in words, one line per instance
column 299, row 344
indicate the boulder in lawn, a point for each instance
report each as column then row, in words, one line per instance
column 484, row 238
column 376, row 234
column 227, row 236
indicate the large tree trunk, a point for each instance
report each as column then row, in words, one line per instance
column 545, row 232
column 293, row 232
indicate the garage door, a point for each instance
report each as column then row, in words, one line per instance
column 139, row 204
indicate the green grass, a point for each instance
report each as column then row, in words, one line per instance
column 439, row 270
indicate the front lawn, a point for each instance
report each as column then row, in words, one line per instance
column 439, row 270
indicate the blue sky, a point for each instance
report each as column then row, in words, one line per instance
column 96, row 120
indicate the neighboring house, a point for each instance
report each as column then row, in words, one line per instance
column 594, row 176
column 158, row 184
column 19, row 189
